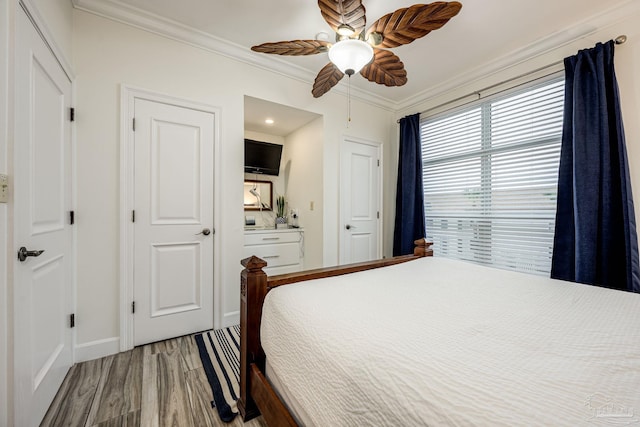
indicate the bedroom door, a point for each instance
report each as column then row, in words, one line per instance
column 173, row 225
column 360, row 199
column 43, row 257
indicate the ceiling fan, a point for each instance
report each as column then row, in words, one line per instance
column 359, row 50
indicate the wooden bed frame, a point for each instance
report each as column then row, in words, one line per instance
column 256, row 394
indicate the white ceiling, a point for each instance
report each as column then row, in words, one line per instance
column 285, row 119
column 483, row 31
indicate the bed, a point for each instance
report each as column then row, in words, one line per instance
column 453, row 343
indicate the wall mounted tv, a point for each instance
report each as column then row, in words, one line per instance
column 262, row 157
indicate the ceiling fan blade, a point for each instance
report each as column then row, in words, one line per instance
column 338, row 12
column 408, row 24
column 293, row 47
column 327, row 78
column 385, row 69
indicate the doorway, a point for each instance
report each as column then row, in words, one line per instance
column 301, row 178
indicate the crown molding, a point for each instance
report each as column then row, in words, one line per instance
column 147, row 21
column 536, row 49
column 126, row 14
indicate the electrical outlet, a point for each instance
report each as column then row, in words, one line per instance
column 4, row 188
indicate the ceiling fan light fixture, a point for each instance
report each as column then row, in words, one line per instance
column 353, row 50
column 350, row 55
column 322, row 36
column 375, row 38
column 346, row 30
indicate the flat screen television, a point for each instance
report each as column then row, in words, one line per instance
column 262, row 157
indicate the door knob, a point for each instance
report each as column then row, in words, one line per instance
column 349, row 226
column 204, row 231
column 23, row 253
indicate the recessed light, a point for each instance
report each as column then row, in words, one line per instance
column 269, row 121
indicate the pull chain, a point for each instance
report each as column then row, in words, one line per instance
column 349, row 102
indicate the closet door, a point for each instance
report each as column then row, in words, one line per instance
column 173, row 228
column 360, row 196
column 43, row 254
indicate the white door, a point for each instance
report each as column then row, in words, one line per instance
column 360, row 177
column 173, row 227
column 42, row 284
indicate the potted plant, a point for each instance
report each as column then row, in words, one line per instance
column 281, row 217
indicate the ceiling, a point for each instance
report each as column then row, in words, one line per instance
column 483, row 31
column 285, row 119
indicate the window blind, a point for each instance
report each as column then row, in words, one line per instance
column 490, row 173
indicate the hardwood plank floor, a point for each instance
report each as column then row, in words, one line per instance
column 160, row 384
column 118, row 392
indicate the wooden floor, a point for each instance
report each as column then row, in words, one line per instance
column 160, row 384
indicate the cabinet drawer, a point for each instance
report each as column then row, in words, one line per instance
column 275, row 255
column 270, row 238
column 273, row 271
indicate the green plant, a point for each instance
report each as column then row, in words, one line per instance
column 280, row 202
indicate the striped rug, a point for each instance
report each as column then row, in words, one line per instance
column 220, row 354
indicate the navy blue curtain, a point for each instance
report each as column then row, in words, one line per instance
column 409, row 224
column 595, row 238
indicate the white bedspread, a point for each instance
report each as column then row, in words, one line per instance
column 441, row 342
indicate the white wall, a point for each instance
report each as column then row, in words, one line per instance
column 627, row 65
column 108, row 54
column 303, row 153
column 5, row 278
column 58, row 18
column 376, row 127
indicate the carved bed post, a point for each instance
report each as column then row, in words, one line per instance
column 422, row 247
column 252, row 293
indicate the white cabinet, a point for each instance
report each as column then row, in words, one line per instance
column 283, row 250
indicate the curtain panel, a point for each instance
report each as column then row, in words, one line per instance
column 595, row 238
column 409, row 223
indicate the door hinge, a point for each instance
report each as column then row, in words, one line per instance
column 378, row 214
column 72, row 217
column 378, row 162
column 133, row 307
column 72, row 320
column 134, row 124
column 133, row 216
column 72, row 114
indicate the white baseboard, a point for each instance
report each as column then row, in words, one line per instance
column 97, row 349
column 230, row 319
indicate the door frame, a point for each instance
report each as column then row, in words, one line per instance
column 128, row 95
column 346, row 139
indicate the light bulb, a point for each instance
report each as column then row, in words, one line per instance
column 345, row 30
column 350, row 55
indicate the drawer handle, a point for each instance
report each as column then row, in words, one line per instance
column 271, row 256
column 270, row 238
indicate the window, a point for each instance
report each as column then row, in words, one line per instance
column 490, row 173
